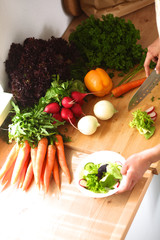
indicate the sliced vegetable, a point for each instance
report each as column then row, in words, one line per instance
column 100, row 178
column 149, row 110
column 83, row 183
column 152, row 114
column 89, row 166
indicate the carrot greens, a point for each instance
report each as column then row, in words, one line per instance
column 32, row 124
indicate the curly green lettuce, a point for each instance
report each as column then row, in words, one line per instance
column 143, row 123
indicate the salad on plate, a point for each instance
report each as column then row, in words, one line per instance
column 99, row 175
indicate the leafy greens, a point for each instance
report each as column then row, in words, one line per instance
column 110, row 43
column 33, row 123
column 106, row 182
column 143, row 122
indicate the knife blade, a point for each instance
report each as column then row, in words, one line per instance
column 144, row 89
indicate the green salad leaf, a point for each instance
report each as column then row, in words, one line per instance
column 106, row 182
column 143, row 123
column 115, row 170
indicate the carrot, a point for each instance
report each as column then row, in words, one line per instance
column 56, row 173
column 41, row 152
column 20, row 161
column 42, row 174
column 28, row 177
column 124, row 88
column 50, row 157
column 7, row 177
column 10, row 159
column 33, row 158
column 23, row 173
column 61, row 156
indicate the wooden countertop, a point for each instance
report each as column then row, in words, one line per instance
column 70, row 215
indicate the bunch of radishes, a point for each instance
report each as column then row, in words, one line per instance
column 152, row 113
column 70, row 108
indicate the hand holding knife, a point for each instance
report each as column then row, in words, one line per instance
column 144, row 89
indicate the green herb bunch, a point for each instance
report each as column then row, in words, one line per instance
column 33, row 123
column 109, row 43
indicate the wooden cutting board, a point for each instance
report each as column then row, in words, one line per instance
column 115, row 134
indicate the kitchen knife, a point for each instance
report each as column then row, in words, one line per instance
column 144, row 89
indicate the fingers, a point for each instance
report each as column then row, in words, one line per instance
column 158, row 66
column 129, row 182
column 153, row 54
column 147, row 61
column 124, row 169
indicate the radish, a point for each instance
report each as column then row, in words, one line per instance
column 77, row 110
column 52, row 108
column 78, row 96
column 58, row 117
column 153, row 115
column 104, row 110
column 67, row 102
column 67, row 114
column 83, row 183
column 149, row 110
column 118, row 183
column 154, row 118
column 81, row 102
column 88, row 125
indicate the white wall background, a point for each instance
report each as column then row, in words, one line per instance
column 20, row 19
column 146, row 224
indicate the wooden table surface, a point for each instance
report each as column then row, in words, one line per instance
column 69, row 215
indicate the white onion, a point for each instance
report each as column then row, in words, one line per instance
column 88, row 125
column 104, row 110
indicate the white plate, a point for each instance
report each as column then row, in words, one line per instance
column 98, row 157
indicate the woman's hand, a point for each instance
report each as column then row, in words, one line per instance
column 153, row 54
column 136, row 165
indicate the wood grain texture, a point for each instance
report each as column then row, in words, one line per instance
column 68, row 215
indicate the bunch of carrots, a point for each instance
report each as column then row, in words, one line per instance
column 25, row 164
